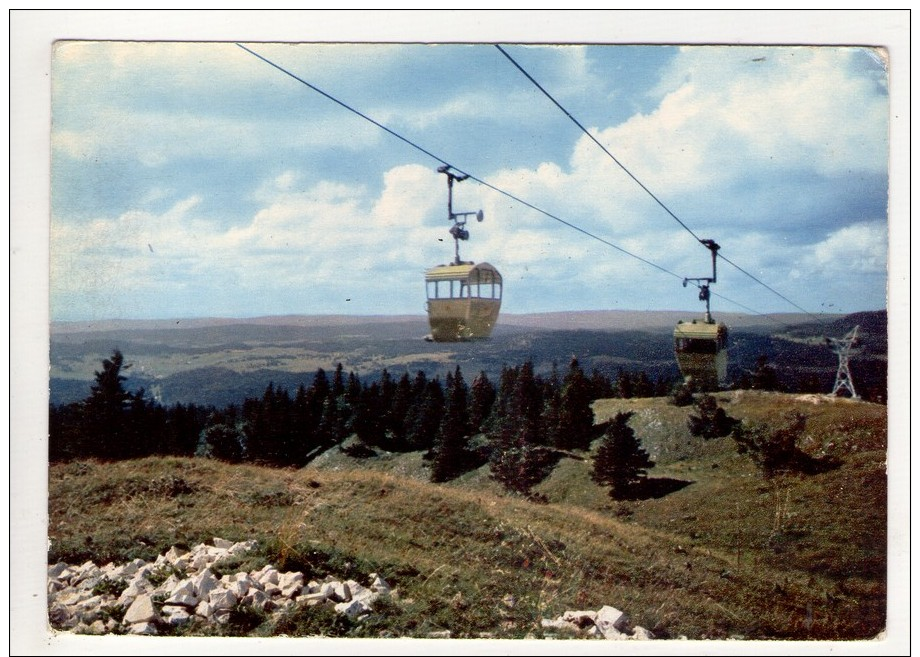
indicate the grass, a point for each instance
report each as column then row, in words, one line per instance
column 729, row 554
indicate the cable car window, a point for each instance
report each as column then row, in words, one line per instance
column 697, row 346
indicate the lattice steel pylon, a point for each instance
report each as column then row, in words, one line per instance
column 844, row 347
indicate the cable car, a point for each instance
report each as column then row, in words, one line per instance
column 464, row 298
column 701, row 346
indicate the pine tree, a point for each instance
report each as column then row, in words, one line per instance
column 368, row 418
column 451, row 455
column 620, row 462
column 105, row 430
column 482, row 397
column 576, row 418
column 397, row 413
column 519, row 460
column 624, row 385
column 426, row 420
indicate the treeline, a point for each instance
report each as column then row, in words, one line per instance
column 520, row 424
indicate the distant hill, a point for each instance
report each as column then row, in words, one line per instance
column 221, row 361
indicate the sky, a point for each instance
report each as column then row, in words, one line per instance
column 196, row 179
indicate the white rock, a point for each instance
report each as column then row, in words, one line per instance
column 379, row 584
column 352, row 609
column 222, row 599
column 142, row 628
column 169, row 585
column 269, row 576
column 57, row 569
column 199, row 562
column 176, row 615
column 96, row 627
column 183, row 599
column 642, row 634
column 259, row 600
column 173, row 554
column 73, row 597
column 223, row 543
column 141, row 611
column 134, row 589
column 612, row 622
column 312, row 586
column 204, row 582
column 311, row 599
column 186, row 586
column 291, row 584
column 204, row 609
column 341, row 592
column 239, row 588
column 594, row 632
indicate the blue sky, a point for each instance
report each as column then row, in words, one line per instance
column 193, row 179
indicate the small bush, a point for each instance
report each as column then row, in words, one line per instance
column 358, row 450
column 682, row 395
column 243, row 619
column 774, row 450
column 106, row 586
column 712, row 421
column 319, row 620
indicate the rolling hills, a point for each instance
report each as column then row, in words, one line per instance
column 221, row 361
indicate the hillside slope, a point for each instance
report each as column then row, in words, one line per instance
column 717, row 552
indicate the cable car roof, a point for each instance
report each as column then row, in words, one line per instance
column 460, row 272
column 698, row 329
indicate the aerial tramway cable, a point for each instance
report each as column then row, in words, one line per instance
column 638, row 182
column 489, row 185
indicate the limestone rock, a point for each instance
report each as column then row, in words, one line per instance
column 141, row 611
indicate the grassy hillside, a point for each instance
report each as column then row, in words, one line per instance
column 717, row 552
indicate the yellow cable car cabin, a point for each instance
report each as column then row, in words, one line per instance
column 463, row 301
column 701, row 348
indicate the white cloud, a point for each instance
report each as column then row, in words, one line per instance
column 860, row 248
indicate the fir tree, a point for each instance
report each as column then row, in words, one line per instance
column 426, row 420
column 620, row 462
column 518, row 459
column 624, row 386
column 576, row 418
column 451, row 455
column 105, row 430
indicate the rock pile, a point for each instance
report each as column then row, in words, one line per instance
column 145, row 598
column 178, row 587
column 605, row 623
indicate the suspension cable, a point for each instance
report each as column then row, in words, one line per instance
column 487, row 184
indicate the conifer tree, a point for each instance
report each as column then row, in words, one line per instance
column 426, row 421
column 105, row 430
column 624, row 386
column 397, row 413
column 451, row 455
column 576, row 417
column 482, row 397
column 519, row 460
column 368, row 417
column 620, row 462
